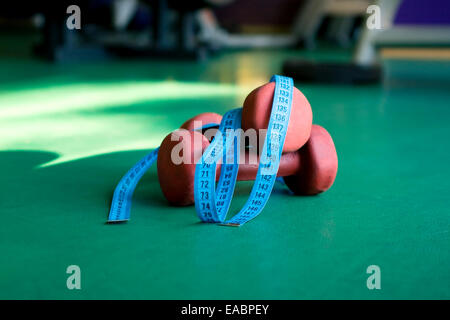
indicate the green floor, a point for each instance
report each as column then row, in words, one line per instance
column 69, row 132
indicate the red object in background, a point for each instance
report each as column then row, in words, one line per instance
column 278, row 13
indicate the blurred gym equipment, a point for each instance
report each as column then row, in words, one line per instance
column 364, row 67
column 146, row 28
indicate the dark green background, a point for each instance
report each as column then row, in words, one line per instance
column 389, row 205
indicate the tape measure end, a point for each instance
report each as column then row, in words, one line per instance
column 230, row 224
column 116, row 221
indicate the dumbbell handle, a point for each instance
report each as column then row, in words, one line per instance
column 308, row 171
column 290, row 164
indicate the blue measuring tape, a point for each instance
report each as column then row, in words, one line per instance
column 121, row 202
column 213, row 202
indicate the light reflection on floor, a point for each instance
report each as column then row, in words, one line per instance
column 75, row 120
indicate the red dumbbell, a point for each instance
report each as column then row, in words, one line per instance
column 310, row 170
column 165, row 163
column 258, row 106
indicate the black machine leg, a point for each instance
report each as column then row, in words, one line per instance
column 160, row 24
column 329, row 72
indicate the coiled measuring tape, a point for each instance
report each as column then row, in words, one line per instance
column 121, row 202
column 212, row 202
